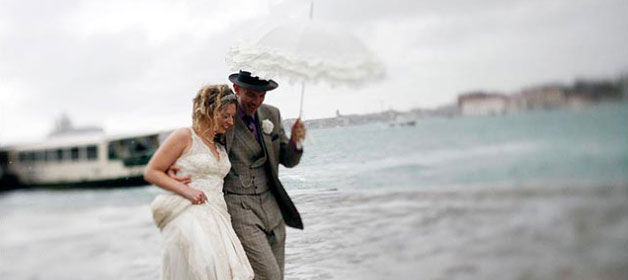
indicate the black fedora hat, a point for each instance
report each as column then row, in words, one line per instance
column 245, row 80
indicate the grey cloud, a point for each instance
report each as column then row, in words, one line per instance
column 92, row 75
column 355, row 10
column 433, row 51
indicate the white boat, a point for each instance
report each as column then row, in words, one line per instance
column 79, row 160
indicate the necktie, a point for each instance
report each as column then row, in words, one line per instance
column 248, row 120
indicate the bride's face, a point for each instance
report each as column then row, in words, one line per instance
column 224, row 118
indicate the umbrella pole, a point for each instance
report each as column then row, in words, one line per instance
column 302, row 94
column 311, row 140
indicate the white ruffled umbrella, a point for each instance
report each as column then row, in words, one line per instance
column 308, row 51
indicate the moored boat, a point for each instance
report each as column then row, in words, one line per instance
column 69, row 160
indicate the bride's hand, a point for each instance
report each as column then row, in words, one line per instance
column 195, row 196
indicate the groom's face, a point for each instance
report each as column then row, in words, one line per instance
column 249, row 100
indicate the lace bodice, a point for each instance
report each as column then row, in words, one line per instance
column 199, row 241
column 201, row 165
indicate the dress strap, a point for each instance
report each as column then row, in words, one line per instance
column 192, row 132
column 195, row 140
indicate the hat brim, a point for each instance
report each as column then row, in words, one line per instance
column 264, row 87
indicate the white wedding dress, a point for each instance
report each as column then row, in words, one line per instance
column 199, row 241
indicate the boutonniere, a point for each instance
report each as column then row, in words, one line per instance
column 267, row 126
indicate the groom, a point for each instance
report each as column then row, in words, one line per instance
column 258, row 204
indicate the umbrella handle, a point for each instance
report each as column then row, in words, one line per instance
column 300, row 144
column 302, row 95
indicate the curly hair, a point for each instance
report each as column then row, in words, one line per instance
column 207, row 103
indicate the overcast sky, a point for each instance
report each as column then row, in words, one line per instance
column 135, row 65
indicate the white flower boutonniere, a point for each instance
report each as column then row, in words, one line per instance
column 267, row 126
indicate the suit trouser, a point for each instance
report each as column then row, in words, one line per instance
column 259, row 225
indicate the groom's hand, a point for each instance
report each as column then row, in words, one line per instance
column 297, row 133
column 172, row 173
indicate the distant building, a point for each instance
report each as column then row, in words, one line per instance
column 597, row 91
column 547, row 96
column 326, row 122
column 482, row 104
column 582, row 93
column 347, row 120
column 63, row 126
column 544, row 97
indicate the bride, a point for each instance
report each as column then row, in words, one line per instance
column 199, row 241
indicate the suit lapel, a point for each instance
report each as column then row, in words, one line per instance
column 229, row 138
column 244, row 137
column 265, row 138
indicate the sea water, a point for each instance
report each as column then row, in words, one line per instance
column 561, row 147
column 536, row 195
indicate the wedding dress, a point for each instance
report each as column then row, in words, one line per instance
column 199, row 241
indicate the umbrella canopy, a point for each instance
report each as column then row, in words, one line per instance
column 308, row 51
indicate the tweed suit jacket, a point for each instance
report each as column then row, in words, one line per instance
column 277, row 150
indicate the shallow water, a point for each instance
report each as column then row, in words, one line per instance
column 534, row 232
column 529, row 232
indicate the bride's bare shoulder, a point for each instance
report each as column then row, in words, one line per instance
column 181, row 137
column 181, row 133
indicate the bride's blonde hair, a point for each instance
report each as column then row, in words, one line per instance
column 207, row 103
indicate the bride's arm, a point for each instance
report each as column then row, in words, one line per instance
column 164, row 157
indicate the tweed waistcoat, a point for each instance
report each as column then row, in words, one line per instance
column 248, row 171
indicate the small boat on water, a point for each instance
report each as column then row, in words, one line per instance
column 79, row 160
column 401, row 123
